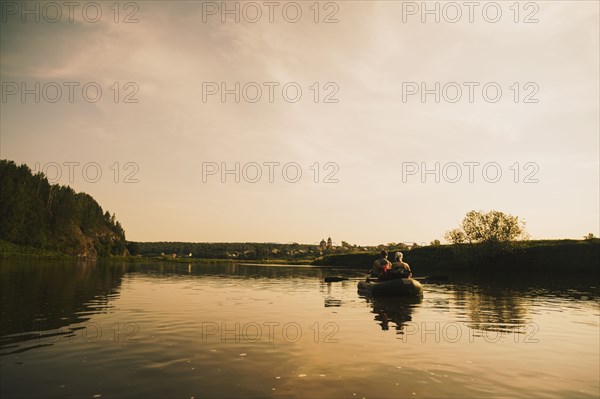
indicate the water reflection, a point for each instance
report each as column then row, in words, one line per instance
column 503, row 303
column 492, row 309
column 43, row 302
column 331, row 302
column 394, row 311
column 188, row 343
column 333, row 292
column 226, row 269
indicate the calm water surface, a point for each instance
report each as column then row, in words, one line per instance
column 224, row 330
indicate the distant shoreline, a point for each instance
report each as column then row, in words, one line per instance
column 547, row 255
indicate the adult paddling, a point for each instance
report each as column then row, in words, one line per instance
column 392, row 279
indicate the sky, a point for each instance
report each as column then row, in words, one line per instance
column 363, row 121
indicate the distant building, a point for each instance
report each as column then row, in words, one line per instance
column 323, row 244
column 329, row 243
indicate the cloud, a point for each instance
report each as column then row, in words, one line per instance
column 366, row 57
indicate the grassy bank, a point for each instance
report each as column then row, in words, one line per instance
column 9, row 250
column 541, row 255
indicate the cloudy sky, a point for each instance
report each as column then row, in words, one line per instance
column 345, row 92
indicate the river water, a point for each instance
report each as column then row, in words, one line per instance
column 227, row 330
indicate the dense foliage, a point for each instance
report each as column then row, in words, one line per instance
column 41, row 215
column 488, row 227
column 490, row 235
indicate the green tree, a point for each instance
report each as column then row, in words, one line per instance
column 493, row 233
column 488, row 227
column 402, row 246
column 35, row 213
column 455, row 236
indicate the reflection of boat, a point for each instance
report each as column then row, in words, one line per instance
column 394, row 311
column 392, row 287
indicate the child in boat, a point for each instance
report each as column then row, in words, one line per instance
column 399, row 266
column 381, row 266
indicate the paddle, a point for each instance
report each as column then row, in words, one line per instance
column 433, row 278
column 336, row 279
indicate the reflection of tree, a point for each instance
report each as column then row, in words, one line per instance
column 492, row 309
column 51, row 300
column 395, row 310
column 500, row 301
column 40, row 300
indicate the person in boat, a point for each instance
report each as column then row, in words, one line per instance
column 401, row 267
column 381, row 266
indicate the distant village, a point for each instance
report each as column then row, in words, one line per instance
column 250, row 251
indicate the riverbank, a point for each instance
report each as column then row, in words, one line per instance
column 539, row 255
column 10, row 250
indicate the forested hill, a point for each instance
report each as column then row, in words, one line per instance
column 35, row 213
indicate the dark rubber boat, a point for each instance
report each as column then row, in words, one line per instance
column 390, row 287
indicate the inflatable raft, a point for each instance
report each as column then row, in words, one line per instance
column 393, row 287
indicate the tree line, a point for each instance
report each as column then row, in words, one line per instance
column 51, row 216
